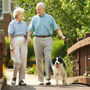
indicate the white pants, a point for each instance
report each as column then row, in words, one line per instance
column 43, row 45
column 20, row 56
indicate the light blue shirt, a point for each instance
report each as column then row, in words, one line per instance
column 42, row 25
column 15, row 28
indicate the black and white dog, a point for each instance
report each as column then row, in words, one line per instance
column 59, row 68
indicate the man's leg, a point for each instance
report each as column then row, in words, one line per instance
column 47, row 53
column 38, row 48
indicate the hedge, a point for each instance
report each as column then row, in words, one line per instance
column 56, row 50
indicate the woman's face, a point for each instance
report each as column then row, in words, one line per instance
column 20, row 15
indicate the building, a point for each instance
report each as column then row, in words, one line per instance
column 5, row 17
column 6, row 9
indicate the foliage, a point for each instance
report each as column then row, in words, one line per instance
column 68, row 61
column 57, row 48
column 4, row 67
column 8, row 46
column 7, row 59
column 8, row 62
column 32, row 70
column 30, row 62
column 76, row 81
column 72, row 16
column 30, row 50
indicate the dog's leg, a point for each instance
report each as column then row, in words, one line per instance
column 64, row 79
column 63, row 76
column 56, row 79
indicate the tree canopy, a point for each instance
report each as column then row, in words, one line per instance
column 72, row 16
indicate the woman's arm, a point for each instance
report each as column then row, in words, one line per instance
column 11, row 44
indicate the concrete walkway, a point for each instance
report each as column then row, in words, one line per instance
column 32, row 84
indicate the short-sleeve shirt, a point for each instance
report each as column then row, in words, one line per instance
column 17, row 28
column 42, row 25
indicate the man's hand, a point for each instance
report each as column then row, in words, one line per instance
column 64, row 38
column 28, row 40
column 61, row 35
column 28, row 37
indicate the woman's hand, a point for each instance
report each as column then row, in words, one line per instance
column 28, row 40
column 12, row 49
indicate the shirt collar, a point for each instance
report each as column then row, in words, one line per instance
column 17, row 21
column 42, row 16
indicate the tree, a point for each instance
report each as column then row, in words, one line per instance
column 72, row 16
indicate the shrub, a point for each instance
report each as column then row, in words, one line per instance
column 8, row 46
column 32, row 70
column 8, row 62
column 30, row 50
column 4, row 67
column 57, row 48
column 69, row 66
column 30, row 62
column 56, row 51
column 7, row 59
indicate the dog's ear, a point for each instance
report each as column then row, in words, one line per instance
column 60, row 60
column 53, row 60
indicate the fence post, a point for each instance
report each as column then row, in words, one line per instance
column 3, row 51
column 1, row 61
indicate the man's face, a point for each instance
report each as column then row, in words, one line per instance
column 40, row 10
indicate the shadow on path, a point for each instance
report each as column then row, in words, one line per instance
column 17, row 87
column 48, row 87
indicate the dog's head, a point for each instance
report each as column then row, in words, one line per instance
column 57, row 62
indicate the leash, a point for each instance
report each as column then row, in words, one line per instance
column 1, row 59
column 63, row 48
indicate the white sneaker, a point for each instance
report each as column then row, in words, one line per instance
column 22, row 83
column 41, row 83
column 48, row 82
column 13, row 82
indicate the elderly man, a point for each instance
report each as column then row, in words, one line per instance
column 42, row 25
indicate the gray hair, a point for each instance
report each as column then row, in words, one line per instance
column 43, row 5
column 17, row 11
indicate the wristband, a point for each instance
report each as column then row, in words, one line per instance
column 61, row 36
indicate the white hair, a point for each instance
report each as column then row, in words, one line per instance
column 17, row 11
column 43, row 5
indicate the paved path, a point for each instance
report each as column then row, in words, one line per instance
column 32, row 84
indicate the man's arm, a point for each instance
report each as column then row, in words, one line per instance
column 60, row 34
column 28, row 36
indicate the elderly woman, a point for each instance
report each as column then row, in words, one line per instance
column 17, row 31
